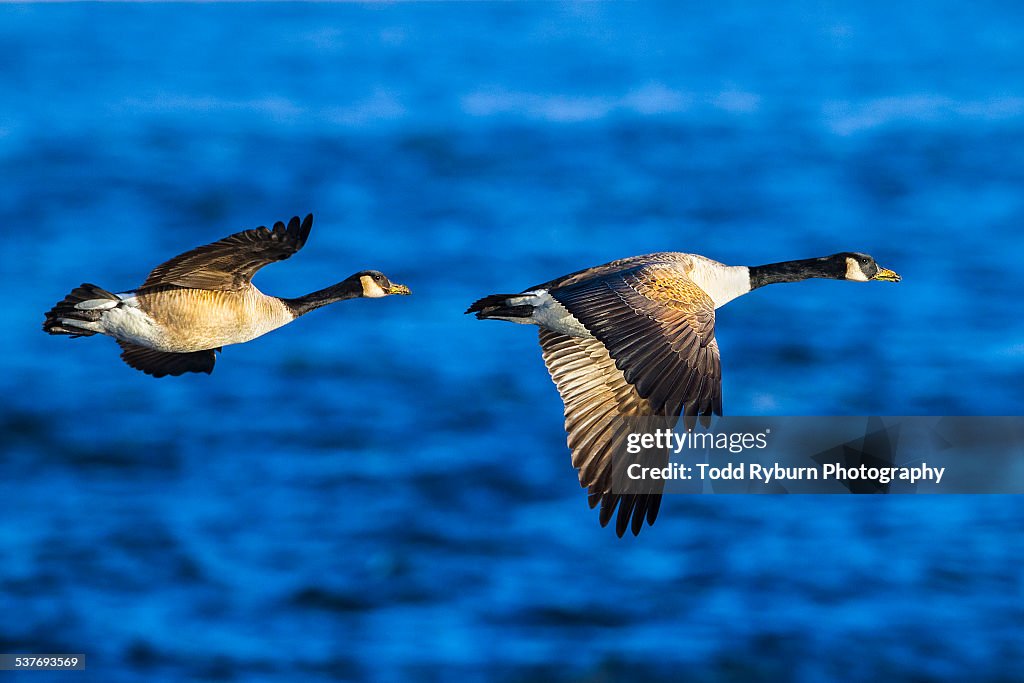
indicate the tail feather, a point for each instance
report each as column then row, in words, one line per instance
column 497, row 306
column 85, row 304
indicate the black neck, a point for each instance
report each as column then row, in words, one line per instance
column 348, row 289
column 795, row 271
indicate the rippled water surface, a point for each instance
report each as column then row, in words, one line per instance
column 382, row 491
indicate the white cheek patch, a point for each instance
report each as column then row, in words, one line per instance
column 853, row 271
column 370, row 288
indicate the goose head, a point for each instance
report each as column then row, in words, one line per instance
column 374, row 284
column 852, row 265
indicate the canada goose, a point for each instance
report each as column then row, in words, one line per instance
column 196, row 303
column 637, row 337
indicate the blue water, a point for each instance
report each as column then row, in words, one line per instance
column 382, row 491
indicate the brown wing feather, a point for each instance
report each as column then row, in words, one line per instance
column 229, row 264
column 659, row 327
column 617, row 266
column 595, row 394
column 653, row 354
column 161, row 364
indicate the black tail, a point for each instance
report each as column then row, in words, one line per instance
column 497, row 306
column 68, row 309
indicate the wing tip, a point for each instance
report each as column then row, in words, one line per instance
column 633, row 511
column 296, row 229
column 299, row 229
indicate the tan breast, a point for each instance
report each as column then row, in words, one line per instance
column 198, row 319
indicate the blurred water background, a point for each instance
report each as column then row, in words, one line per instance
column 382, row 491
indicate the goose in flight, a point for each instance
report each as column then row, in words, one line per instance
column 636, row 337
column 196, row 303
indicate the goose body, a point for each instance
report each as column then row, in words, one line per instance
column 636, row 337
column 180, row 320
column 200, row 301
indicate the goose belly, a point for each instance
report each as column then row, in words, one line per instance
column 195, row 320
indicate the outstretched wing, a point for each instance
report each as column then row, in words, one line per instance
column 229, row 264
column 653, row 354
column 596, row 397
column 659, row 327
